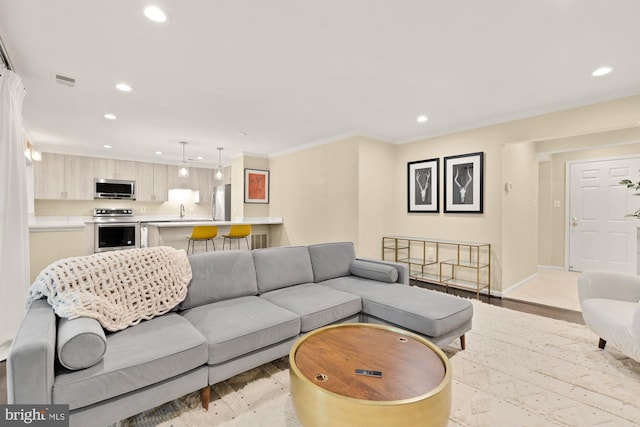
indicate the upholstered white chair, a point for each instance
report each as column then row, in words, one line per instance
column 611, row 308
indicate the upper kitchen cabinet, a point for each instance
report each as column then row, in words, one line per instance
column 205, row 184
column 151, row 183
column 63, row 177
column 208, row 181
column 115, row 169
column 191, row 182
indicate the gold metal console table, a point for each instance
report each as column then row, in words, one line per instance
column 456, row 264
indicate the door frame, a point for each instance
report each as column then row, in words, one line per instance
column 567, row 197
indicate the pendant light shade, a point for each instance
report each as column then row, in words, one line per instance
column 219, row 171
column 183, row 166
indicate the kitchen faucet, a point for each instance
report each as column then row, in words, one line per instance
column 182, row 210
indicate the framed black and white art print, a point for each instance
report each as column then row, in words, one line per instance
column 423, row 189
column 463, row 184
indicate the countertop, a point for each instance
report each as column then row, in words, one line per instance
column 78, row 223
column 188, row 222
column 58, row 223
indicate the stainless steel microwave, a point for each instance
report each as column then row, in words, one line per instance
column 114, row 189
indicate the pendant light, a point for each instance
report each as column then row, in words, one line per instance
column 183, row 166
column 219, row 171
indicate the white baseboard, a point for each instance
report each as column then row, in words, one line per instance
column 551, row 267
column 519, row 284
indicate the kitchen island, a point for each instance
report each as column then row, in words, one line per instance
column 174, row 232
column 54, row 237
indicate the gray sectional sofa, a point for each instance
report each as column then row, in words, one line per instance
column 243, row 309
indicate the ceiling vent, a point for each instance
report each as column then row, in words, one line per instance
column 64, row 80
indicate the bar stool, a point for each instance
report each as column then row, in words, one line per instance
column 200, row 233
column 237, row 232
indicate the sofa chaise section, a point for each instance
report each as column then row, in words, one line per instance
column 439, row 317
column 389, row 300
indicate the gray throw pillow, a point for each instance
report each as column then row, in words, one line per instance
column 374, row 271
column 81, row 342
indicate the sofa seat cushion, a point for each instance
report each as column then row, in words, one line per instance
column 241, row 325
column 141, row 355
column 317, row 305
column 427, row 312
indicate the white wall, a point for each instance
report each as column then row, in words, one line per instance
column 316, row 191
column 485, row 227
column 519, row 212
column 376, row 167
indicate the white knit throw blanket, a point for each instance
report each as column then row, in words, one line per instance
column 117, row 288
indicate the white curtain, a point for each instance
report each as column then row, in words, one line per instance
column 14, row 226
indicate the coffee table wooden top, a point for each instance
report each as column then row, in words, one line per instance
column 329, row 358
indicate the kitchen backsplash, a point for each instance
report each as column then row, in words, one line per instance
column 85, row 208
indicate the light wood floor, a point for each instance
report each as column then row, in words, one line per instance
column 555, row 288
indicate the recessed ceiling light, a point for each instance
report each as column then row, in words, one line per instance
column 159, row 153
column 110, row 116
column 155, row 14
column 602, row 71
column 200, row 158
column 106, row 146
column 242, row 133
column 422, row 119
column 123, row 87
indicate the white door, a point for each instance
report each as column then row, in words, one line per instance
column 601, row 236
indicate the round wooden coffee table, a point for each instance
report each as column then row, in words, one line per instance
column 414, row 387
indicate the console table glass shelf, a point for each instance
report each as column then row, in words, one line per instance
column 452, row 263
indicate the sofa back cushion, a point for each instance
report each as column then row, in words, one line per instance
column 331, row 260
column 218, row 276
column 281, row 267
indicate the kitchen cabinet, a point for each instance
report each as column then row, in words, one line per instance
column 206, row 182
column 66, row 177
column 151, row 182
column 115, row 169
column 174, row 181
column 63, row 177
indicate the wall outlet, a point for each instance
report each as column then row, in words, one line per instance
column 192, row 208
column 556, row 203
column 143, row 209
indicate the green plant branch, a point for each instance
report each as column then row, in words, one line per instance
column 636, row 186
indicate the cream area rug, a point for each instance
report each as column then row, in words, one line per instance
column 518, row 370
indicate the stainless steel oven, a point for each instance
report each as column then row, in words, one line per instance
column 115, row 229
